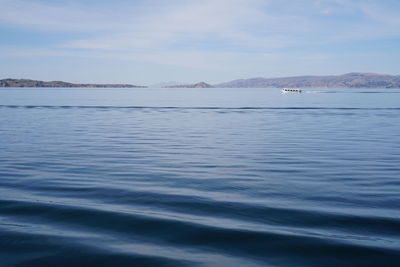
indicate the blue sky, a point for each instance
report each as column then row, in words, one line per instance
column 150, row 41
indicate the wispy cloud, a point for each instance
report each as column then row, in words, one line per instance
column 207, row 34
column 244, row 23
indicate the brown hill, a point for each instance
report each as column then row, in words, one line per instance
column 34, row 83
column 350, row 80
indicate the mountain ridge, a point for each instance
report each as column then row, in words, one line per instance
column 59, row 84
column 348, row 80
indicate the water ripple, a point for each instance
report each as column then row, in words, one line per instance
column 199, row 185
column 196, row 107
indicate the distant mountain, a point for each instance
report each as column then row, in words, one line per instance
column 165, row 84
column 196, row 85
column 349, row 80
column 34, row 83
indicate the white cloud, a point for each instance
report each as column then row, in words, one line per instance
column 208, row 34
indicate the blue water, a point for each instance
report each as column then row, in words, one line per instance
column 199, row 177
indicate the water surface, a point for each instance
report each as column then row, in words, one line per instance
column 199, row 177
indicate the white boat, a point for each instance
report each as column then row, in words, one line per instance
column 291, row 90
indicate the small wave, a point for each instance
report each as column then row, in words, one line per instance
column 53, row 223
column 194, row 108
column 115, row 185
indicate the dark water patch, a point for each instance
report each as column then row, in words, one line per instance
column 58, row 251
column 230, row 241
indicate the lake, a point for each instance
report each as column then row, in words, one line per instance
column 199, row 177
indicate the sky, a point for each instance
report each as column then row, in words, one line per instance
column 150, row 41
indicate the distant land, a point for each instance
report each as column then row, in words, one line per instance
column 196, row 85
column 34, row 83
column 166, row 84
column 349, row 80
